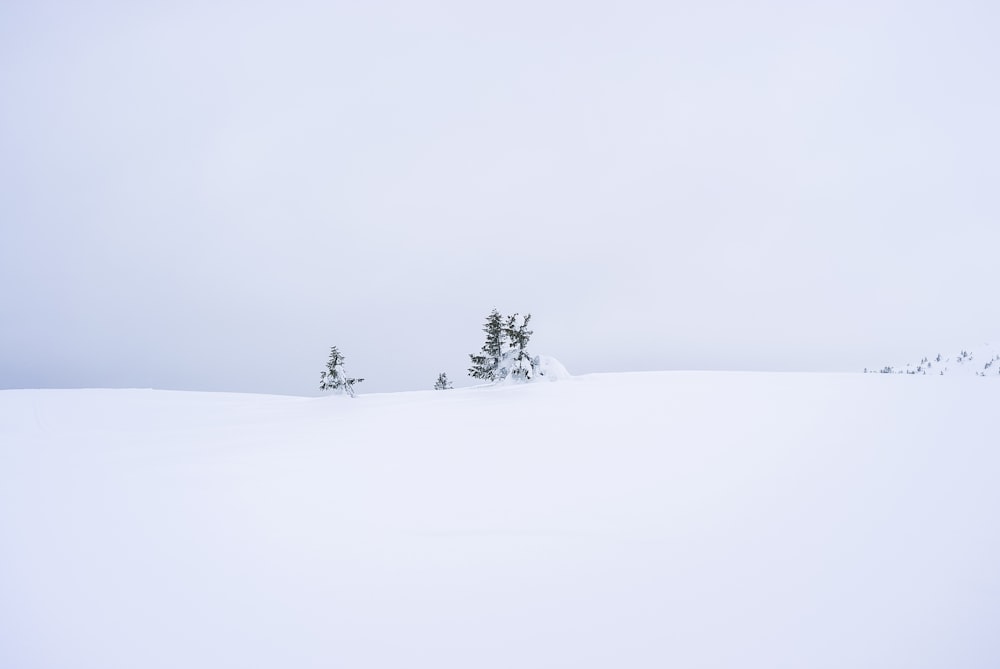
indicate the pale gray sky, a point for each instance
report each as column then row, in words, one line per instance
column 208, row 195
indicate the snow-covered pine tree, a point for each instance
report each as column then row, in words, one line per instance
column 442, row 383
column 518, row 361
column 486, row 363
column 334, row 377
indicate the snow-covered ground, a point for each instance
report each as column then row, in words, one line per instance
column 624, row 520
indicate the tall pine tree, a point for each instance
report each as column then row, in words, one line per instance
column 486, row 363
column 519, row 362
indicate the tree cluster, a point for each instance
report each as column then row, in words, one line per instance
column 504, row 353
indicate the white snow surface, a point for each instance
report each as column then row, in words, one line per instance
column 550, row 369
column 622, row 520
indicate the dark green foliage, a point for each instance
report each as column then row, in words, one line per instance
column 487, row 361
column 520, row 362
column 442, row 382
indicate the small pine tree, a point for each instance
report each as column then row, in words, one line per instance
column 334, row 377
column 442, row 383
column 486, row 363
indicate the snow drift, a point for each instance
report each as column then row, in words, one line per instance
column 626, row 520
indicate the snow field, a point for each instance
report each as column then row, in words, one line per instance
column 617, row 520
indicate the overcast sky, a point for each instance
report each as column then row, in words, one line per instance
column 208, row 195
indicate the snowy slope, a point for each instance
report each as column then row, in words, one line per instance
column 623, row 520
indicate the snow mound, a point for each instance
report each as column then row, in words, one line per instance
column 543, row 368
column 548, row 368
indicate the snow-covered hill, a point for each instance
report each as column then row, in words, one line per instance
column 982, row 360
column 625, row 520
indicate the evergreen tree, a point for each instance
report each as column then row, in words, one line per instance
column 334, row 377
column 442, row 383
column 486, row 364
column 519, row 362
